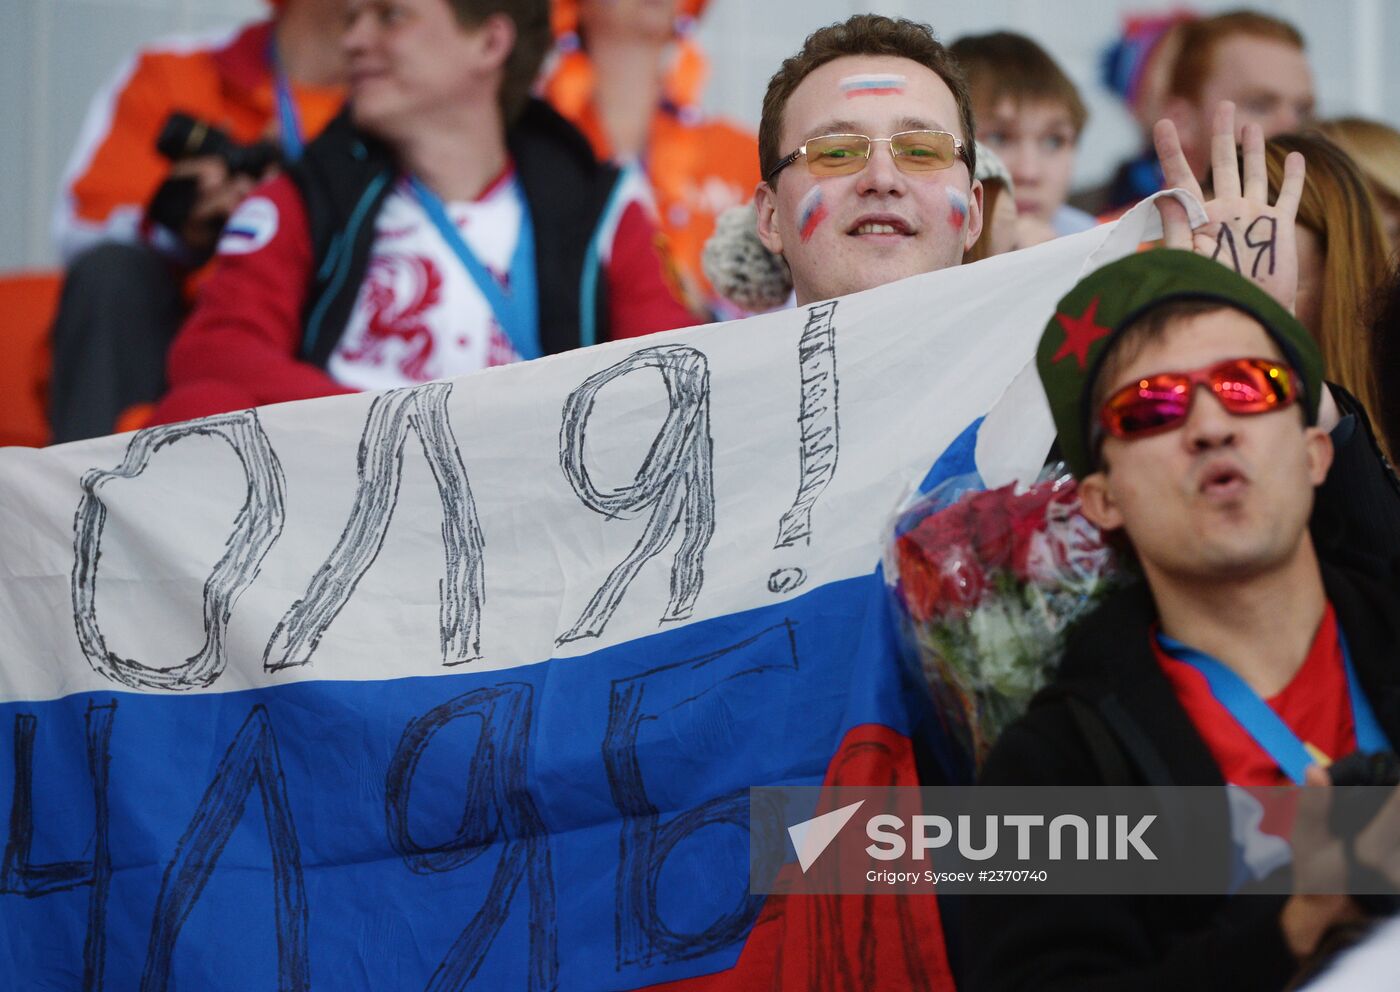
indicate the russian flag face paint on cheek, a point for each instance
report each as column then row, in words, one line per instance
column 957, row 208
column 872, row 84
column 811, row 211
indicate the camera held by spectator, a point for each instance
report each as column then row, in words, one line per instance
column 212, row 172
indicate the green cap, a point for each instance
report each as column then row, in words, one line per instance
column 1104, row 303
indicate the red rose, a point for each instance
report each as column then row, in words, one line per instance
column 1028, row 518
column 918, row 581
column 938, row 569
column 962, row 581
column 991, row 528
column 948, row 528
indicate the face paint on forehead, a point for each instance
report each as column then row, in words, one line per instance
column 872, row 84
column 811, row 211
column 957, row 208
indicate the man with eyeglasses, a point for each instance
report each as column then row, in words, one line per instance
column 866, row 153
column 1187, row 402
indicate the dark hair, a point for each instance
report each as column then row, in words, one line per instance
column 1007, row 66
column 862, row 34
column 533, row 39
column 1195, row 60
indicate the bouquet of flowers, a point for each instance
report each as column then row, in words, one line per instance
column 989, row 582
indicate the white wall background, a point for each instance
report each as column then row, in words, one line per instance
column 54, row 54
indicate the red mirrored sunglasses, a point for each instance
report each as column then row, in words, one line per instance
column 1162, row 402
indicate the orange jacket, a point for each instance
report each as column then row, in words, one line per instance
column 227, row 80
column 698, row 168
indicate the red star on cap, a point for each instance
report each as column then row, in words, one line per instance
column 1080, row 334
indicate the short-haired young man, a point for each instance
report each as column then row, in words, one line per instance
column 447, row 223
column 865, row 145
column 1253, row 60
column 1186, row 401
column 1029, row 113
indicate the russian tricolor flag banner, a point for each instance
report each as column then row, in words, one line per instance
column 463, row 686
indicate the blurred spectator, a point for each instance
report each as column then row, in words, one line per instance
column 998, row 208
column 1030, row 114
column 630, row 77
column 1137, row 68
column 123, row 294
column 1341, row 260
column 1254, row 60
column 1375, row 148
column 445, row 223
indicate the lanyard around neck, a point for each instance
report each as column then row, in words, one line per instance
column 289, row 132
column 1258, row 719
column 516, row 309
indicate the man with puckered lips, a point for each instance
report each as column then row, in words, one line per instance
column 1187, row 402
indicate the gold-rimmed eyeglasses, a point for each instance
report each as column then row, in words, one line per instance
column 847, row 154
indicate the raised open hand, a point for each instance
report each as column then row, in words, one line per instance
column 1243, row 231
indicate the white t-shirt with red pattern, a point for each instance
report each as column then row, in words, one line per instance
column 419, row 315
